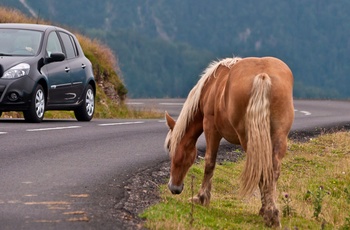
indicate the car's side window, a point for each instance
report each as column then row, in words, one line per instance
column 74, row 45
column 53, row 44
column 70, row 47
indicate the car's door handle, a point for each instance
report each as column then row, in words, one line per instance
column 83, row 66
column 67, row 69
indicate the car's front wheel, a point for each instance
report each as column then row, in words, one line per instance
column 86, row 110
column 36, row 110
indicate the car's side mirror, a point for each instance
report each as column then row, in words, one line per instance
column 56, row 57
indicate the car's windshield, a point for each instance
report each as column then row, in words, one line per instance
column 19, row 42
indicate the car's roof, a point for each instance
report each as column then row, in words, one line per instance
column 28, row 26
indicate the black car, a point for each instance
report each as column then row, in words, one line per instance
column 42, row 68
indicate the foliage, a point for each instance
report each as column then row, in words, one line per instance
column 322, row 161
column 317, row 199
column 171, row 61
column 164, row 45
column 287, row 210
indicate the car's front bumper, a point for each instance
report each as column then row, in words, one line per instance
column 16, row 94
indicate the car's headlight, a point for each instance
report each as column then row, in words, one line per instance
column 17, row 71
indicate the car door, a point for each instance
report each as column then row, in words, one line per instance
column 76, row 65
column 58, row 73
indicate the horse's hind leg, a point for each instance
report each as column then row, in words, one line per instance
column 213, row 140
column 269, row 211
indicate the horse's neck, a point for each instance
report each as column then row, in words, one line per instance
column 195, row 127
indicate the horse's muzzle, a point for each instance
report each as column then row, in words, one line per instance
column 175, row 189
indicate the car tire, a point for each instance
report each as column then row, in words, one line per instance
column 86, row 110
column 36, row 111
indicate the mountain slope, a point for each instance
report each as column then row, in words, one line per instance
column 311, row 36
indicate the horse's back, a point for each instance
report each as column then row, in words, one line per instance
column 242, row 75
column 239, row 87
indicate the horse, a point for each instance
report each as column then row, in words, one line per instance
column 248, row 102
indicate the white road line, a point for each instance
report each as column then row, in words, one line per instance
column 135, row 103
column 122, row 123
column 53, row 128
column 169, row 103
column 3, row 133
column 306, row 113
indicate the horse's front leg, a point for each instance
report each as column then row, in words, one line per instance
column 212, row 144
column 269, row 210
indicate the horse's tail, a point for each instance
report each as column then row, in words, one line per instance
column 259, row 164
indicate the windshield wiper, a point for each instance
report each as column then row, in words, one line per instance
column 3, row 54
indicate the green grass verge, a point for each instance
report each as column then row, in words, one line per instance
column 105, row 108
column 313, row 192
column 106, row 112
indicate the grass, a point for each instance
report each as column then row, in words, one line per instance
column 313, row 192
column 106, row 112
column 104, row 108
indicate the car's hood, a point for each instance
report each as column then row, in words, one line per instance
column 7, row 62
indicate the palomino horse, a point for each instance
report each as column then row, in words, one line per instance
column 247, row 101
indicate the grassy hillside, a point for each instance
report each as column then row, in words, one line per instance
column 111, row 91
column 313, row 192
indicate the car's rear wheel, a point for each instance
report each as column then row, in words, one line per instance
column 86, row 110
column 36, row 110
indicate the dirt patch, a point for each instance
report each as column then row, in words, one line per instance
column 142, row 190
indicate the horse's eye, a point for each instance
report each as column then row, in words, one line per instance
column 168, row 146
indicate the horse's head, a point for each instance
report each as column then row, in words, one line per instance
column 182, row 154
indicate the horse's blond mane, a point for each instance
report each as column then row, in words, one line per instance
column 192, row 102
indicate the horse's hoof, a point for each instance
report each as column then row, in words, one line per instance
column 195, row 200
column 271, row 218
column 262, row 211
column 199, row 200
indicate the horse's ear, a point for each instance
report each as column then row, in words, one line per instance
column 169, row 120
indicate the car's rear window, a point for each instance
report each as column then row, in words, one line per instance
column 19, row 42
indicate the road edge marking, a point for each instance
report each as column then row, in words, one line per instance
column 53, row 128
column 122, row 123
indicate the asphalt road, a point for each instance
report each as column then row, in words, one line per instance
column 68, row 174
column 64, row 174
